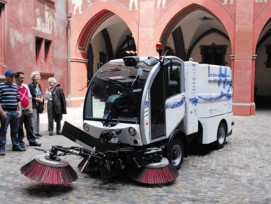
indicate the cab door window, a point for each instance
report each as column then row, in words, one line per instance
column 173, row 80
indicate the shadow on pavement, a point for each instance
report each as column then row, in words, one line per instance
column 201, row 149
column 43, row 190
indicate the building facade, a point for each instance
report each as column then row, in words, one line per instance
column 33, row 36
column 87, row 33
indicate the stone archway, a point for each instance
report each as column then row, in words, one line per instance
column 259, row 23
column 262, row 71
column 262, row 87
column 180, row 9
column 85, row 27
column 93, row 17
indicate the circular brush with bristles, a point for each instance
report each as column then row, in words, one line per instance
column 88, row 166
column 49, row 171
column 155, row 173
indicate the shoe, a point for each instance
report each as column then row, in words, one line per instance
column 58, row 133
column 51, row 134
column 18, row 149
column 2, row 153
column 22, row 145
column 34, row 144
column 39, row 135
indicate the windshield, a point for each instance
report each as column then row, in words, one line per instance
column 115, row 93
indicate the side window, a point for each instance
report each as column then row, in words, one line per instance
column 213, row 54
column 43, row 53
column 174, row 80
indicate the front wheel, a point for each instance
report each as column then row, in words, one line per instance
column 221, row 136
column 175, row 153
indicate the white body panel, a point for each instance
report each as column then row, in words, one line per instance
column 191, row 93
column 175, row 110
column 208, row 99
column 147, row 119
column 210, row 127
column 214, row 99
column 214, row 90
column 96, row 128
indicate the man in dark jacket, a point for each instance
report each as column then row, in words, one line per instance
column 56, row 105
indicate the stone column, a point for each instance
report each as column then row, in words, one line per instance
column 146, row 46
column 243, row 99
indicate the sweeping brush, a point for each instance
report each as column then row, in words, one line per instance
column 49, row 171
column 88, row 166
column 155, row 173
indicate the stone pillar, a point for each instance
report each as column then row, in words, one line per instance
column 146, row 46
column 78, row 86
column 243, row 99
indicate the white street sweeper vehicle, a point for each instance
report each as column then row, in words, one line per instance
column 140, row 116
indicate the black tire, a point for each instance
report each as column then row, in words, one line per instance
column 221, row 136
column 175, row 153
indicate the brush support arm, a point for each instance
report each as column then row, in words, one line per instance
column 53, row 154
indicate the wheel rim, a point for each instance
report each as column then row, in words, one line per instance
column 221, row 135
column 176, row 155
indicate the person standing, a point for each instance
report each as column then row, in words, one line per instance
column 10, row 111
column 37, row 97
column 27, row 111
column 56, row 105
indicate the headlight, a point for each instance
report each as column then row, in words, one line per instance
column 132, row 131
column 86, row 127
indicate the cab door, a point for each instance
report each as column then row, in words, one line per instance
column 175, row 97
column 157, row 105
column 167, row 99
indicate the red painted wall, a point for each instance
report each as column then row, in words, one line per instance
column 24, row 22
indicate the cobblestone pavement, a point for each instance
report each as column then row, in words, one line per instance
column 238, row 173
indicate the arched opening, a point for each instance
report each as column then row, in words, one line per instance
column 262, row 89
column 105, row 37
column 207, row 41
column 127, row 47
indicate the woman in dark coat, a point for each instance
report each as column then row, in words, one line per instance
column 37, row 98
column 56, row 105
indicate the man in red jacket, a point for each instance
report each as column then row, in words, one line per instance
column 27, row 112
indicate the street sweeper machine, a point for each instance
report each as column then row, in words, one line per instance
column 140, row 116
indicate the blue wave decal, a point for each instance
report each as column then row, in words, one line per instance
column 222, row 77
column 194, row 101
column 216, row 98
column 175, row 104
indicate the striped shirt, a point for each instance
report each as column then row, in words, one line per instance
column 9, row 96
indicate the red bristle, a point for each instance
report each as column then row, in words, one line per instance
column 88, row 166
column 154, row 176
column 81, row 164
column 49, row 172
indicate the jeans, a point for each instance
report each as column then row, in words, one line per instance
column 26, row 121
column 14, row 125
column 36, row 121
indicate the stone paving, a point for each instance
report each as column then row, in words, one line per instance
column 238, row 173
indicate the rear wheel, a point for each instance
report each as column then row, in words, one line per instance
column 175, row 153
column 221, row 136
